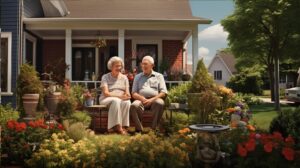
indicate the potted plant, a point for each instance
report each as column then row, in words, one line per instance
column 88, row 98
column 29, row 88
column 185, row 76
column 52, row 98
column 52, row 95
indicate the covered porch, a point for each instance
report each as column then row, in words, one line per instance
column 71, row 42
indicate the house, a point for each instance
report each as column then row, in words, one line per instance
column 67, row 35
column 222, row 67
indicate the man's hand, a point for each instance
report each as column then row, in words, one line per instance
column 148, row 102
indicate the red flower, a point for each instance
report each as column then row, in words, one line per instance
column 43, row 126
column 20, row 127
column 290, row 141
column 241, row 151
column 268, row 147
column 11, row 124
column 250, row 145
column 61, row 127
column 32, row 124
column 51, row 125
column 39, row 123
column 288, row 153
column 277, row 136
column 252, row 135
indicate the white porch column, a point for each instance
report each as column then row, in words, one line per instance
column 121, row 44
column 185, row 56
column 68, row 54
column 195, row 51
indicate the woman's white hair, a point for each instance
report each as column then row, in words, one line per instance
column 112, row 60
column 149, row 58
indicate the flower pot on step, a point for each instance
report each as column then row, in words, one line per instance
column 30, row 102
column 52, row 100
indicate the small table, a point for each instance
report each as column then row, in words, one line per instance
column 178, row 107
column 98, row 109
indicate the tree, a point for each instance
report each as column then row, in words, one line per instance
column 265, row 30
column 248, row 80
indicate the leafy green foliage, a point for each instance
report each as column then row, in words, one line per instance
column 178, row 94
column 203, row 105
column 287, row 123
column 7, row 113
column 80, row 116
column 247, row 81
column 28, row 80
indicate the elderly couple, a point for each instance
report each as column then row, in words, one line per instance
column 148, row 91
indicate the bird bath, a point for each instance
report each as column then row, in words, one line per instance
column 208, row 148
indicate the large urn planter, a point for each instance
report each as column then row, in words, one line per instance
column 52, row 99
column 30, row 102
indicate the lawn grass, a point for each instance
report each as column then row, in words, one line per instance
column 264, row 113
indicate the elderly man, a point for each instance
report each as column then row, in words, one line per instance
column 148, row 90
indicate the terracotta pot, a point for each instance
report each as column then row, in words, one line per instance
column 52, row 101
column 30, row 102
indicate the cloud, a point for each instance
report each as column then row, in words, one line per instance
column 203, row 52
column 213, row 33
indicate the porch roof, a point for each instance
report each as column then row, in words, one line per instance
column 126, row 10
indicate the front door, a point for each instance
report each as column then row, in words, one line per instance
column 83, row 63
column 146, row 49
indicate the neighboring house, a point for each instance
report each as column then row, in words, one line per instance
column 222, row 67
column 47, row 32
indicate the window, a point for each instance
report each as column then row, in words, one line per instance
column 218, row 75
column 6, row 62
column 83, row 63
column 30, row 49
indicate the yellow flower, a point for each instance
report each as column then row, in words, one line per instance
column 151, row 155
column 102, row 156
column 182, row 145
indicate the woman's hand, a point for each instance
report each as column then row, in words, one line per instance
column 125, row 97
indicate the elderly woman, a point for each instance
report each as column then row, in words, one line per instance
column 116, row 95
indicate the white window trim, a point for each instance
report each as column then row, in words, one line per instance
column 29, row 37
column 8, row 35
column 216, row 75
column 137, row 41
column 96, row 55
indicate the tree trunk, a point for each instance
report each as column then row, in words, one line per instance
column 270, row 69
column 276, row 84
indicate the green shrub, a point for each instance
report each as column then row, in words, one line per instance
column 287, row 123
column 7, row 113
column 247, row 81
column 178, row 94
column 203, row 99
column 75, row 131
column 80, row 116
column 77, row 92
column 249, row 99
column 201, row 81
column 203, row 105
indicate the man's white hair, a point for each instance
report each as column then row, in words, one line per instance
column 149, row 58
column 113, row 60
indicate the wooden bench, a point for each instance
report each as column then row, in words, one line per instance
column 99, row 114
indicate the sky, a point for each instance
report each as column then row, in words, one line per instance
column 211, row 37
